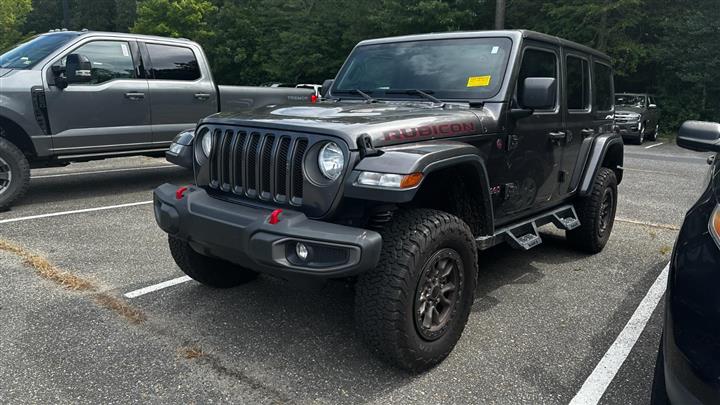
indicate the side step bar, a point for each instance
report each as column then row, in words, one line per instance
column 524, row 235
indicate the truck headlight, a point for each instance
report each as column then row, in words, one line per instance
column 714, row 225
column 331, row 161
column 207, row 142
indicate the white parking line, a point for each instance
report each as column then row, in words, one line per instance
column 56, row 214
column 159, row 286
column 652, row 146
column 649, row 224
column 47, row 176
column 594, row 387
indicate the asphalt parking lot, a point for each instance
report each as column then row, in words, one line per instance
column 541, row 322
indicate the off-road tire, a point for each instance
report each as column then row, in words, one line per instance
column 14, row 162
column 592, row 234
column 387, row 297
column 207, row 270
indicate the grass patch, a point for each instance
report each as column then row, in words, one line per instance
column 664, row 250
column 120, row 307
column 191, row 352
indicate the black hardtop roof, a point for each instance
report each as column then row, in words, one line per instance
column 513, row 34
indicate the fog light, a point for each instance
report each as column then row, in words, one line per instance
column 175, row 148
column 301, row 251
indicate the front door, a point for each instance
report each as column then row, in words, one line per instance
column 534, row 152
column 112, row 111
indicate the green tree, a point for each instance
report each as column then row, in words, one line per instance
column 12, row 18
column 175, row 18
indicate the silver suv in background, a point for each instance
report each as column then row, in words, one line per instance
column 636, row 116
column 79, row 95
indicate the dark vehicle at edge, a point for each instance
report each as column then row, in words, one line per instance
column 688, row 365
column 636, row 116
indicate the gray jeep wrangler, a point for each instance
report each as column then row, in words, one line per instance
column 425, row 149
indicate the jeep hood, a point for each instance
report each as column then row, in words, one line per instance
column 385, row 122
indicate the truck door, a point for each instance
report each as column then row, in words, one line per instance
column 110, row 111
column 579, row 127
column 533, row 150
column 181, row 89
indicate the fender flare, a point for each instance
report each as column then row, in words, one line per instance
column 425, row 158
column 598, row 154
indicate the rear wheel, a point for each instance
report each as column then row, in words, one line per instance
column 207, row 270
column 14, row 174
column 653, row 136
column 596, row 213
column 412, row 308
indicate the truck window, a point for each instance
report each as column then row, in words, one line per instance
column 602, row 77
column 537, row 63
column 173, row 63
column 578, row 83
column 110, row 60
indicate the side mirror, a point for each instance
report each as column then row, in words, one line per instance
column 539, row 93
column 652, row 106
column 78, row 69
column 699, row 136
column 326, row 87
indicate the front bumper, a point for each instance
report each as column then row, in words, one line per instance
column 242, row 234
column 630, row 128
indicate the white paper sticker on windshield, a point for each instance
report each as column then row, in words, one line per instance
column 125, row 50
column 495, row 49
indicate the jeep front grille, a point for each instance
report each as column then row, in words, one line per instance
column 257, row 164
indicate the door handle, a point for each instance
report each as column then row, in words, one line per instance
column 587, row 131
column 135, row 96
column 202, row 96
column 557, row 136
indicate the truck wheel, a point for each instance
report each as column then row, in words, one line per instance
column 208, row 270
column 596, row 213
column 412, row 308
column 641, row 135
column 14, row 173
column 653, row 136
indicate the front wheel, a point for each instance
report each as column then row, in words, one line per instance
column 641, row 135
column 596, row 213
column 654, row 135
column 14, row 174
column 412, row 308
column 207, row 270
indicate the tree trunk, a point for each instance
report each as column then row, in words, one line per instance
column 499, row 14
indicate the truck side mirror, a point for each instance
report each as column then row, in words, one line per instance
column 539, row 93
column 78, row 69
column 326, row 87
column 699, row 136
column 652, row 106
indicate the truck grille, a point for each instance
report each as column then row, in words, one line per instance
column 622, row 118
column 257, row 164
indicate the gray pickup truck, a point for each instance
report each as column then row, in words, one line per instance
column 79, row 95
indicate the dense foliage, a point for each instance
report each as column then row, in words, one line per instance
column 667, row 47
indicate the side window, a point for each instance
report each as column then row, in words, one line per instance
column 537, row 63
column 578, row 83
column 602, row 77
column 173, row 63
column 110, row 60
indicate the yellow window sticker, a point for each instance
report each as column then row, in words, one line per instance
column 478, row 81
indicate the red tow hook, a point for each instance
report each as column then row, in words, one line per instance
column 180, row 192
column 275, row 217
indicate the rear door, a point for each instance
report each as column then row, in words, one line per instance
column 181, row 89
column 579, row 127
column 112, row 111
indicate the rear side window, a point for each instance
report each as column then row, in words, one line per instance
column 537, row 63
column 173, row 63
column 578, row 83
column 603, row 80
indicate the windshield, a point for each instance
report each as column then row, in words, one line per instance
column 627, row 99
column 25, row 55
column 464, row 69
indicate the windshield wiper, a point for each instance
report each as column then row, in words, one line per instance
column 425, row 94
column 366, row 96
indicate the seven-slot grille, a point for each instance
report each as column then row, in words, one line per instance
column 258, row 164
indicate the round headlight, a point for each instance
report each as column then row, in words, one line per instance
column 331, row 160
column 206, row 143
